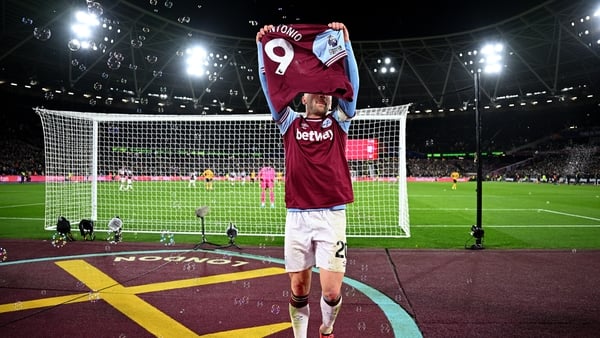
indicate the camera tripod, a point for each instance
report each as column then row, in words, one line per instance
column 230, row 244
column 232, row 232
column 201, row 212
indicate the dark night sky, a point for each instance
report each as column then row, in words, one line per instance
column 366, row 20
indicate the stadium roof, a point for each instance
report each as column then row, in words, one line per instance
column 553, row 54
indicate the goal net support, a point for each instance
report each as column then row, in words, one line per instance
column 147, row 169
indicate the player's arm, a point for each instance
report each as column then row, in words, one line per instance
column 348, row 107
column 261, row 72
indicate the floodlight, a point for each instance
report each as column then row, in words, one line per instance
column 491, row 57
column 196, row 60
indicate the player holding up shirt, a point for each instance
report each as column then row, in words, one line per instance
column 318, row 184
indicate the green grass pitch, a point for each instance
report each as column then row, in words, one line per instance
column 514, row 216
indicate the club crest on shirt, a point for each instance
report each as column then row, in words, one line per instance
column 326, row 123
column 333, row 42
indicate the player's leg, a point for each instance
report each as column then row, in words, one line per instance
column 263, row 189
column 331, row 260
column 298, row 307
column 299, row 260
column 272, row 194
column 331, row 299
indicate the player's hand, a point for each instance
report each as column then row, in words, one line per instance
column 262, row 32
column 340, row 26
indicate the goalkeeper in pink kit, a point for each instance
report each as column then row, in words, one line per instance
column 318, row 184
column 266, row 177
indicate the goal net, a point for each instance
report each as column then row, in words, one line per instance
column 147, row 169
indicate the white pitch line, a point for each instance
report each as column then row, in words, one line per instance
column 507, row 226
column 572, row 215
column 20, row 205
column 512, row 210
column 21, row 219
column 462, row 209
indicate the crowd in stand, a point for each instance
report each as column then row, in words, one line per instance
column 21, row 143
column 544, row 154
column 19, row 158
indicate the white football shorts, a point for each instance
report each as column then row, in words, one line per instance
column 315, row 238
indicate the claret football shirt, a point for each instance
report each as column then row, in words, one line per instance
column 304, row 58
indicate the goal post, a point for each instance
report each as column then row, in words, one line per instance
column 147, row 169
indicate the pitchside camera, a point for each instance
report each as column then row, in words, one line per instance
column 477, row 233
column 232, row 231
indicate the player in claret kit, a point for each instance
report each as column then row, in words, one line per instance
column 318, row 61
